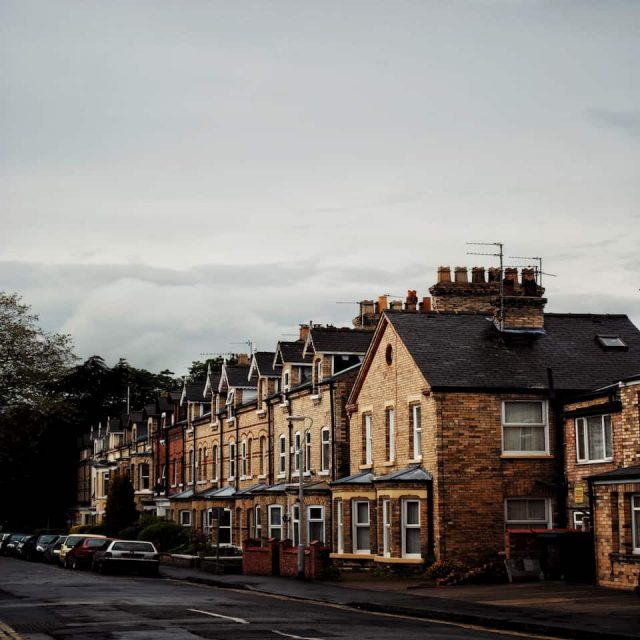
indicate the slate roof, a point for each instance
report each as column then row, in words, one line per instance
column 411, row 474
column 223, row 492
column 466, row 351
column 238, row 376
column 251, row 489
column 292, row 352
column 363, row 477
column 151, row 409
column 194, row 392
column 135, row 416
column 625, row 473
column 183, row 495
column 340, row 340
column 264, row 362
column 164, row 404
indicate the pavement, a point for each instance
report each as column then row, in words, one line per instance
column 556, row 609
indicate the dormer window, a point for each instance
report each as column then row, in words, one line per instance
column 611, row 342
column 285, row 382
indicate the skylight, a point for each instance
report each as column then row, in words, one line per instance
column 611, row 342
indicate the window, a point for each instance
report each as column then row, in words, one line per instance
column 367, row 445
column 635, row 522
column 249, row 448
column 315, row 523
column 317, row 375
column 297, row 452
column 342, row 362
column 185, row 518
column 232, row 460
column 263, row 453
column 285, row 382
column 524, row 427
column 214, row 461
column 594, row 439
column 339, row 527
column 295, row 525
column 307, row 452
column 528, row 513
column 205, row 471
column 386, row 527
column 416, row 431
column 190, row 467
column 361, row 527
column 258, row 520
column 224, row 526
column 243, row 455
column 411, row 528
column 325, row 451
column 105, row 484
column 391, row 433
column 282, row 455
column 275, row 521
column 143, row 470
column 611, row 342
column 199, row 469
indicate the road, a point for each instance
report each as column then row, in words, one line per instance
column 41, row 602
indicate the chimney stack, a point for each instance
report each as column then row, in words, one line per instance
column 304, row 331
column 411, row 303
column 462, row 295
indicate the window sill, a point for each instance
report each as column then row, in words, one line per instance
column 261, row 413
column 323, row 473
column 363, row 467
column 389, row 463
column 262, row 476
column 281, row 475
column 527, row 456
column 414, row 460
column 391, row 560
column 364, row 555
column 588, row 462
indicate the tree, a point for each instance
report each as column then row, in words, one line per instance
column 120, row 511
column 198, row 369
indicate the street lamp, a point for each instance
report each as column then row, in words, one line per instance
column 301, row 465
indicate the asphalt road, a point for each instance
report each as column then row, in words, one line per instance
column 41, row 602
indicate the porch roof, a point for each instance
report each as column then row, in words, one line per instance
column 414, row 473
column 623, row 474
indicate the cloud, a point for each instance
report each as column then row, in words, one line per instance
column 624, row 121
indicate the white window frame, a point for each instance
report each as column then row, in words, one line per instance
column 282, row 455
column 340, row 526
column 297, row 452
column 145, row 478
column 416, row 431
column 528, row 523
column 360, row 525
column 243, row 457
column 514, row 425
column 257, row 520
column 295, row 524
column 635, row 525
column 368, row 438
column 325, row 450
column 286, row 376
column 390, row 423
column 306, row 461
column 386, row 527
column 272, row 509
column 215, row 461
column 232, row 459
column 406, row 526
column 583, row 439
column 311, row 519
column 225, row 527
column 185, row 518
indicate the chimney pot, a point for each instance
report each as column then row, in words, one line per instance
column 382, row 303
column 461, row 274
column 444, row 274
column 425, row 305
column 477, row 275
column 494, row 274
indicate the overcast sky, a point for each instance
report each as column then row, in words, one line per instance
column 180, row 176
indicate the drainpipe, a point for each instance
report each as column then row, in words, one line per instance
column 220, row 460
column 193, row 471
column 592, row 527
column 166, row 461
column 270, row 460
column 289, row 458
column 183, row 475
column 431, row 547
column 556, row 409
column 332, row 411
column 237, row 475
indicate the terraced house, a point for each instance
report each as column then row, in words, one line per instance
column 426, row 431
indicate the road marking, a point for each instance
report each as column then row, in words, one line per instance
column 7, row 632
column 290, row 635
column 219, row 615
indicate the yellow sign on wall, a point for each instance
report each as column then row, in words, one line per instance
column 578, row 494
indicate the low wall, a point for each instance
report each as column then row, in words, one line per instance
column 276, row 557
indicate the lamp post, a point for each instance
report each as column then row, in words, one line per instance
column 301, row 521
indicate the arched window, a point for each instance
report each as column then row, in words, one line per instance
column 232, row 459
column 249, row 455
column 214, row 462
column 205, row 471
column 263, row 450
column 297, row 451
column 199, row 471
column 243, row 456
column 325, row 450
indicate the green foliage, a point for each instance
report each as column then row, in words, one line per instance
column 165, row 535
column 198, row 369
column 120, row 511
column 442, row 568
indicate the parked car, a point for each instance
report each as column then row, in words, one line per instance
column 71, row 541
column 4, row 538
column 51, row 551
column 37, row 548
column 81, row 555
column 9, row 548
column 24, row 546
column 127, row 555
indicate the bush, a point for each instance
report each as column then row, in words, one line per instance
column 86, row 528
column 165, row 535
column 442, row 568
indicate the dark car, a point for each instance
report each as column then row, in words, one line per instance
column 34, row 546
column 25, row 546
column 81, row 555
column 51, row 551
column 4, row 538
column 127, row 555
column 10, row 544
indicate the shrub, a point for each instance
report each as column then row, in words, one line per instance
column 442, row 568
column 165, row 535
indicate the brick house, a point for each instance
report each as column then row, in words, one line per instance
column 602, row 435
column 456, row 428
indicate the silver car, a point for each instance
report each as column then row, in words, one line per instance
column 127, row 555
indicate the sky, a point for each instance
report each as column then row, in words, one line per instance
column 180, row 177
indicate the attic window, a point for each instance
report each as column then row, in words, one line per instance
column 611, row 342
column 388, row 355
